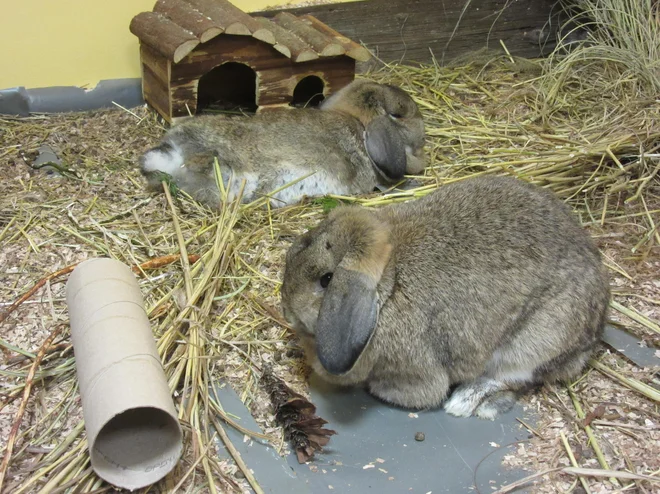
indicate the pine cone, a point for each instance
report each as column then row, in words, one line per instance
column 296, row 415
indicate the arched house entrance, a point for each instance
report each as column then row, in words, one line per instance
column 309, row 92
column 229, row 86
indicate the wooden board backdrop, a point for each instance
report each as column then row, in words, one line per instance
column 417, row 30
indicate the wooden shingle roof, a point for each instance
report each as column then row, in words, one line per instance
column 177, row 27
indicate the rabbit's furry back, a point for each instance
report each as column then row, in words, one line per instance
column 363, row 135
column 268, row 150
column 488, row 283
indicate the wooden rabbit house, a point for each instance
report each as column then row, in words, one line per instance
column 199, row 52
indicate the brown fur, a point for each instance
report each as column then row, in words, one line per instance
column 364, row 135
column 490, row 285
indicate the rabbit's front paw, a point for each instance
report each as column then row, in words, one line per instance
column 411, row 393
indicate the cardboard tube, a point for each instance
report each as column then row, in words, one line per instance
column 133, row 434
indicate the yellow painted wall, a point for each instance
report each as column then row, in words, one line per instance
column 75, row 42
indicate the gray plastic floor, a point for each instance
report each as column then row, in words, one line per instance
column 375, row 448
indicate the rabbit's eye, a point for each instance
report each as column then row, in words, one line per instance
column 325, row 280
column 396, row 116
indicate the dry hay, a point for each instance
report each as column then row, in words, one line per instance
column 597, row 146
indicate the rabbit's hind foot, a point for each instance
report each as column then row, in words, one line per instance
column 465, row 399
column 484, row 397
column 496, row 404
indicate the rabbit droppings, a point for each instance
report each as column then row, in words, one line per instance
column 488, row 284
column 363, row 135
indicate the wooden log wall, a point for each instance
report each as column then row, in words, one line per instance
column 414, row 31
column 156, row 80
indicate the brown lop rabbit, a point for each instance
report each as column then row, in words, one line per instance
column 364, row 135
column 488, row 285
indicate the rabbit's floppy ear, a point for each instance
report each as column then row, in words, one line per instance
column 386, row 147
column 346, row 320
column 349, row 310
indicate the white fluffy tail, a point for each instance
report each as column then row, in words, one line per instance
column 164, row 158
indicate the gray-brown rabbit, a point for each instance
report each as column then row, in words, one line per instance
column 488, row 284
column 363, row 135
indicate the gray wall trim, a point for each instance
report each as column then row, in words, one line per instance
column 22, row 101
